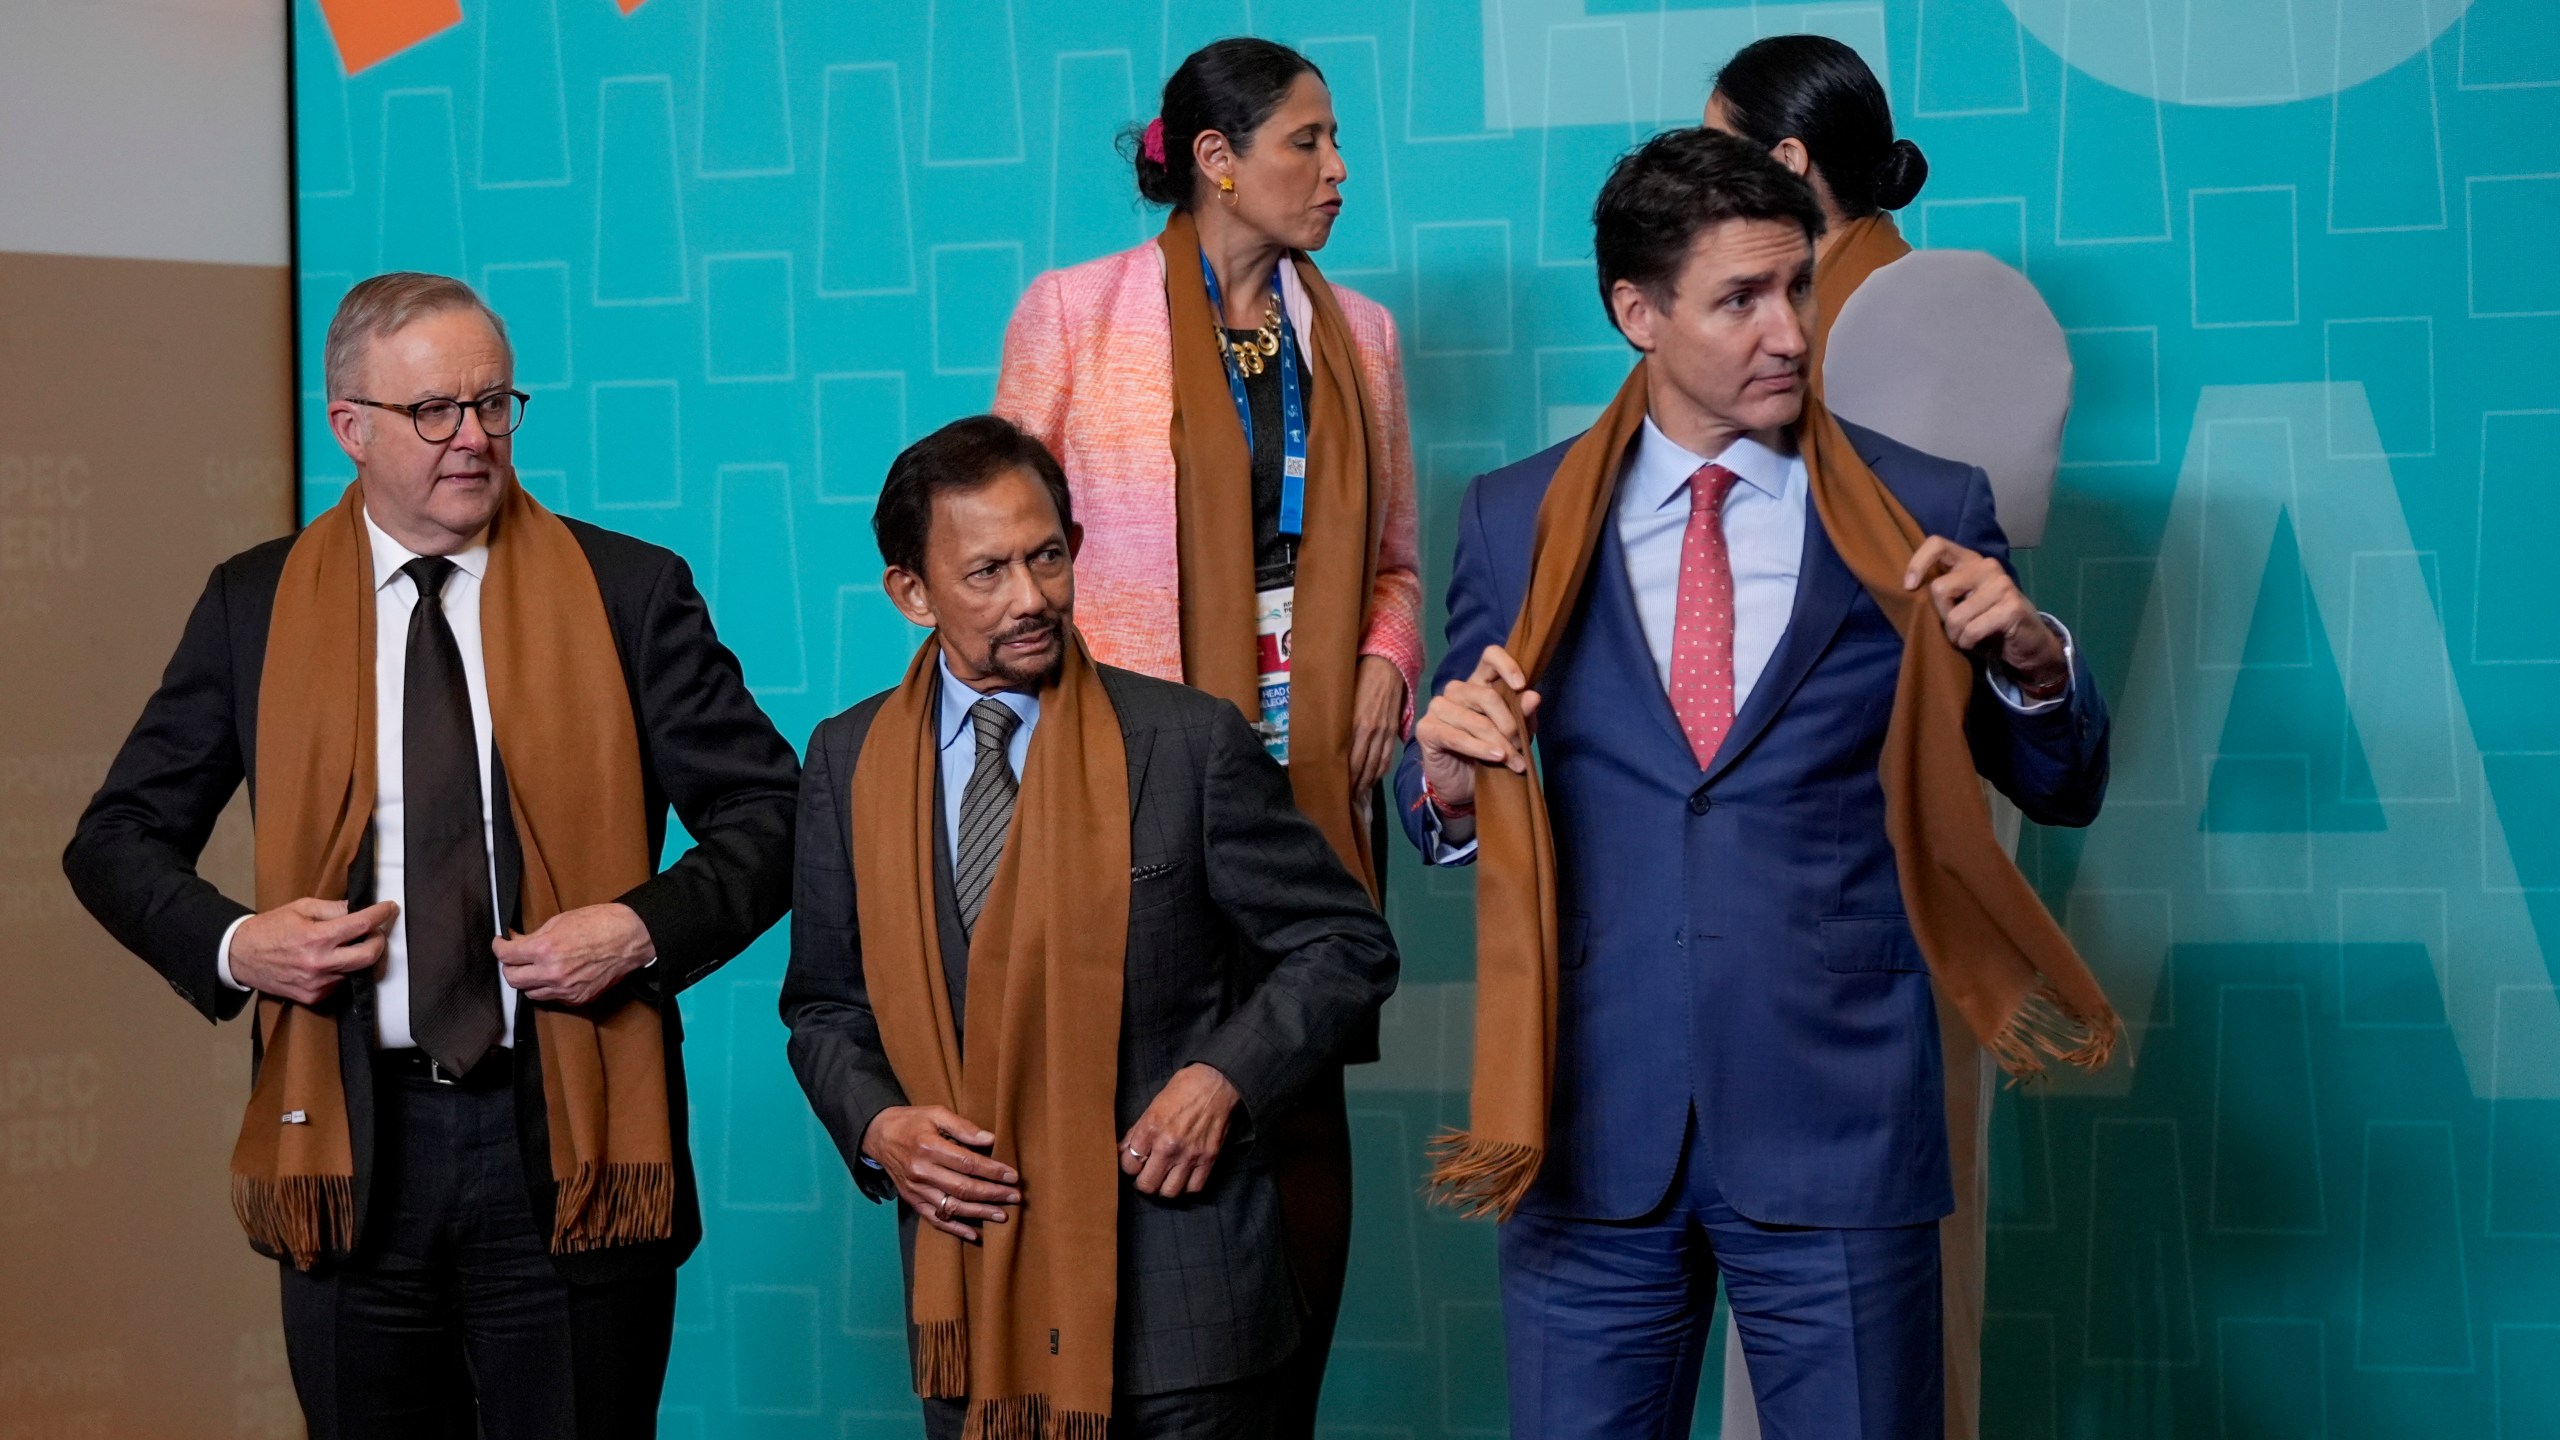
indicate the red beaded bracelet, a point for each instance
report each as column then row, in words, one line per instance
column 1445, row 809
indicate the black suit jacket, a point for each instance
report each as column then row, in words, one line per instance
column 706, row 749
column 1250, row 949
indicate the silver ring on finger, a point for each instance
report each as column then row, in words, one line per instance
column 942, row 1208
column 1136, row 1154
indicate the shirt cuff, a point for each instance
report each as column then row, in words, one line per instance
column 1436, row 851
column 222, row 955
column 2007, row 688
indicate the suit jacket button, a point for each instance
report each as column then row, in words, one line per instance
column 1699, row 804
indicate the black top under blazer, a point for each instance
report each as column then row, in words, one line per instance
column 1250, row 949
column 706, row 749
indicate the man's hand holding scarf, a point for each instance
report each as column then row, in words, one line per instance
column 1474, row 722
column 934, row 1158
column 576, row 955
column 1979, row 604
column 301, row 950
column 1984, row 612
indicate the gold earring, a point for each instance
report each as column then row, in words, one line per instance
column 1227, row 189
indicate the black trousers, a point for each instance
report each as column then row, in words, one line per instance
column 1310, row 1149
column 450, row 1322
column 1238, row 1410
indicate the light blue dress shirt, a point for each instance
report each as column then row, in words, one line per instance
column 1763, row 536
column 959, row 743
column 1764, row 519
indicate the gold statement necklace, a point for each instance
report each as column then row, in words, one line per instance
column 1250, row 355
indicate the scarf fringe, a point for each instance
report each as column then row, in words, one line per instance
column 2043, row 1027
column 619, row 1203
column 1032, row 1417
column 297, row 1215
column 942, row 1359
column 1481, row 1178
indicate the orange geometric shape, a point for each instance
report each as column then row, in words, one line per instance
column 368, row 31
column 630, row 5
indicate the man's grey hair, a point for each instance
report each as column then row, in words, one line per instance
column 385, row 305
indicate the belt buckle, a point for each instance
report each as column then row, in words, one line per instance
column 437, row 1074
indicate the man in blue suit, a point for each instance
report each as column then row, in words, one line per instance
column 1746, row 1068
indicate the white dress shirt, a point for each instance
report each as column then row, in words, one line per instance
column 394, row 596
column 1764, row 518
column 958, row 741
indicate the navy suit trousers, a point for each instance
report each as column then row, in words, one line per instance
column 1606, row 1322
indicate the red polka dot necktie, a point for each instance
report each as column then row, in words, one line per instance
column 1702, row 646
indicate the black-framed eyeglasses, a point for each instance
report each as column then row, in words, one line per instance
column 439, row 420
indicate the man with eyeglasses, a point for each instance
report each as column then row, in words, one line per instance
column 463, row 720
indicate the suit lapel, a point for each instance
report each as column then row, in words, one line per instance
column 952, row 936
column 1824, row 589
column 354, row 1007
column 1616, row 628
column 1140, row 741
column 510, row 849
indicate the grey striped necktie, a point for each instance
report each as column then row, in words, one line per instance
column 986, row 808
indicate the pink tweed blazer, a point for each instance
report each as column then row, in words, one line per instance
column 1088, row 367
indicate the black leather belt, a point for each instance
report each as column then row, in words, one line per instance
column 496, row 1070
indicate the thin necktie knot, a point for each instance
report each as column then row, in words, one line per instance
column 428, row 573
column 1708, row 488
column 995, row 722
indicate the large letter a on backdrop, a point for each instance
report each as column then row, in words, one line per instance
column 2437, row 871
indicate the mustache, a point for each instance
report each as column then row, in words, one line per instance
column 1030, row 629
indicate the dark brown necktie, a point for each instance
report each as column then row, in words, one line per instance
column 454, row 1013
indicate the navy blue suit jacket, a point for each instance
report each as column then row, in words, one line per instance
column 1734, row 943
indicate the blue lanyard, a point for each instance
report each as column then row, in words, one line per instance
column 1293, row 407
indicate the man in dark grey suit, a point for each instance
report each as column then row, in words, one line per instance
column 1251, row 953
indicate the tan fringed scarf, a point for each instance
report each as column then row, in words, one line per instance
column 574, row 782
column 1996, row 954
column 1337, row 557
column 1021, row 1325
column 1861, row 248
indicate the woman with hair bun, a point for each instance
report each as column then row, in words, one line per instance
column 1817, row 107
column 1233, row 431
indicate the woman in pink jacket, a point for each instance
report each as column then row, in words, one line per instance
column 1233, row 428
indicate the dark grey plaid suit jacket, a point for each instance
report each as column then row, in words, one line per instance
column 1250, row 949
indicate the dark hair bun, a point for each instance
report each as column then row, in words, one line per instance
column 1900, row 175
column 1157, row 184
column 1816, row 91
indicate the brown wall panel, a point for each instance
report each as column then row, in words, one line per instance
column 146, row 412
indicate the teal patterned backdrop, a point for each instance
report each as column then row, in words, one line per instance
column 749, row 248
